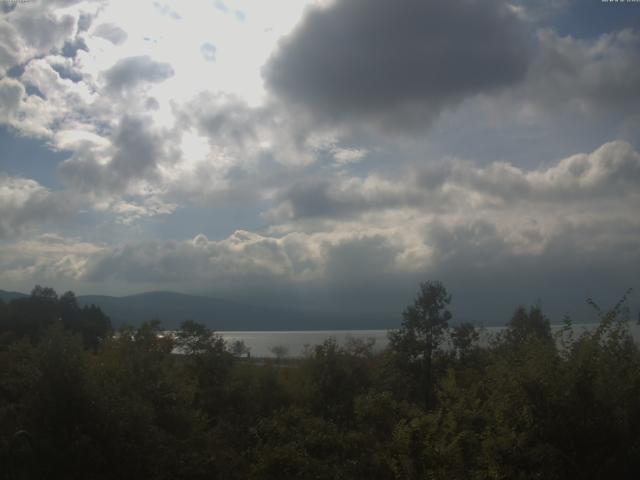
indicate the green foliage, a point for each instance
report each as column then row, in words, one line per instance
column 143, row 403
column 295, row 445
column 31, row 317
column 424, row 323
column 208, row 361
column 528, row 325
column 419, row 339
column 334, row 376
column 464, row 339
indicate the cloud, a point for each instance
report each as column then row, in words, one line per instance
column 609, row 174
column 224, row 119
column 131, row 157
column 36, row 29
column 25, row 204
column 62, row 101
column 70, row 48
column 591, row 76
column 149, row 206
column 269, row 270
column 10, row 46
column 111, row 32
column 47, row 258
column 343, row 197
column 41, row 29
column 242, row 137
column 360, row 246
column 348, row 155
column 398, row 64
column 537, row 10
column 208, row 51
column 11, row 92
column 137, row 150
column 373, row 271
column 243, row 255
column 129, row 72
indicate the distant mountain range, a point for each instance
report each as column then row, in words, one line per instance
column 174, row 308
column 8, row 296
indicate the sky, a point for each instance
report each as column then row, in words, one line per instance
column 327, row 155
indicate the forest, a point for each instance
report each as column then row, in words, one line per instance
column 79, row 400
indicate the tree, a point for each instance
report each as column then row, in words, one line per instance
column 279, row 351
column 194, row 338
column 207, row 359
column 240, row 349
column 463, row 337
column 333, row 377
column 529, row 325
column 420, row 336
column 44, row 294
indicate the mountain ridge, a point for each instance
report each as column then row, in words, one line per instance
column 172, row 308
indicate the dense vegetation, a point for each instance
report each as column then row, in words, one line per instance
column 89, row 403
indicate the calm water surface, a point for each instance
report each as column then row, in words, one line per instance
column 295, row 343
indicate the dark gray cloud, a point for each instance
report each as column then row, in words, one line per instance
column 340, row 198
column 111, row 32
column 135, row 153
column 489, row 279
column 397, row 63
column 352, row 259
column 137, row 149
column 70, row 48
column 130, row 72
column 594, row 76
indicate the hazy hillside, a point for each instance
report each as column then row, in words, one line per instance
column 8, row 296
column 173, row 308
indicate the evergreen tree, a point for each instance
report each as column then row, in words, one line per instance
column 422, row 332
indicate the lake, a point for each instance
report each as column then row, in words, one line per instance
column 295, row 342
